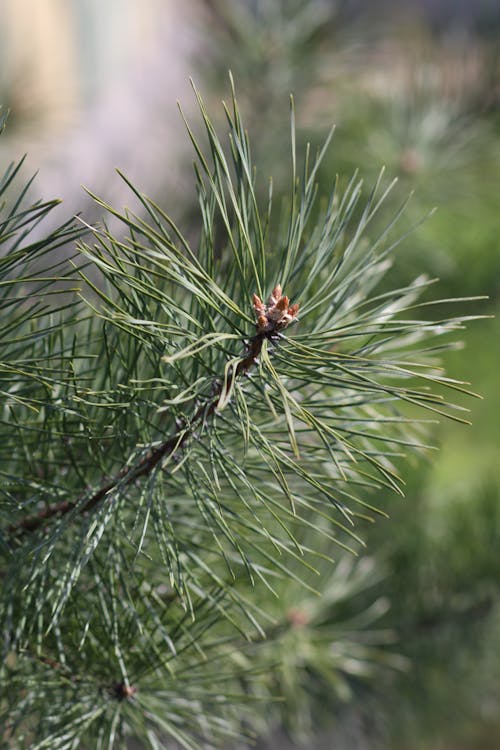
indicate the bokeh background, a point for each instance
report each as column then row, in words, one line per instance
column 413, row 86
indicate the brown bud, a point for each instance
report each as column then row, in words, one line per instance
column 262, row 322
column 275, row 294
column 276, row 313
column 123, row 691
column 259, row 306
column 297, row 617
column 282, row 303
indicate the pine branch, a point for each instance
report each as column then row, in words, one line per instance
column 232, row 476
column 154, row 455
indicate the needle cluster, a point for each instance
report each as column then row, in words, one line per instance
column 180, row 465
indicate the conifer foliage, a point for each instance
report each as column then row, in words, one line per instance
column 194, row 426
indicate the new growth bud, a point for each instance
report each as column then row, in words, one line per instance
column 275, row 294
column 258, row 305
column 277, row 314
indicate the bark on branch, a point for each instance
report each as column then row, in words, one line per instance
column 127, row 475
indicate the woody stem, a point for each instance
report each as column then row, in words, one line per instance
column 127, row 474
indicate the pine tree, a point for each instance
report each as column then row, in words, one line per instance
column 195, row 426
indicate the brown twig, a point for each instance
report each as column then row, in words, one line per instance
column 272, row 317
column 53, row 664
column 145, row 466
column 119, row 690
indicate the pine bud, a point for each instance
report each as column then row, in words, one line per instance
column 262, row 323
column 282, row 303
column 277, row 314
column 275, row 294
column 259, row 306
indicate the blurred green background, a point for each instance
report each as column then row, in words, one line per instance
column 411, row 86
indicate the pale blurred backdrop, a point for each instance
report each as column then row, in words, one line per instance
column 92, row 86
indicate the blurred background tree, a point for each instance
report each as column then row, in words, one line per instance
column 414, row 86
